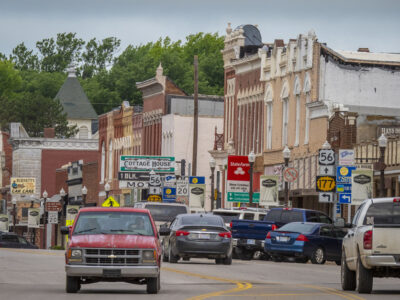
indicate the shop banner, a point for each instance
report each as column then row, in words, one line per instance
column 33, row 217
column 72, row 212
column 23, row 186
column 269, row 190
column 361, row 185
column 4, row 223
column 197, row 195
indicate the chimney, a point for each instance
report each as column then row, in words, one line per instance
column 49, row 133
column 363, row 50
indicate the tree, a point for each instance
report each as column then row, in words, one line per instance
column 24, row 59
column 10, row 79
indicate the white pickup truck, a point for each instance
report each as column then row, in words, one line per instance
column 371, row 247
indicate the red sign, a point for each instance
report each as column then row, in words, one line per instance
column 53, row 206
column 238, row 168
column 290, row 174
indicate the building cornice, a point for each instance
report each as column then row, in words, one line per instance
column 55, row 144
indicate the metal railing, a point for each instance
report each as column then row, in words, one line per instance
column 369, row 152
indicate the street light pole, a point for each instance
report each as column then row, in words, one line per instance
column 45, row 195
column 212, row 167
column 382, row 141
column 14, row 203
column 63, row 212
column 252, row 158
column 286, row 157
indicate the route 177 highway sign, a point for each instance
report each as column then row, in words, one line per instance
column 326, row 183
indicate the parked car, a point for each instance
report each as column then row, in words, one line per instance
column 304, row 241
column 113, row 244
column 242, row 213
column 249, row 236
column 197, row 235
column 163, row 212
column 12, row 240
column 371, row 247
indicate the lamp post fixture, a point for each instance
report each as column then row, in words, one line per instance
column 107, row 189
column 286, row 157
column 252, row 158
column 212, row 167
column 84, row 193
column 14, row 203
column 382, row 141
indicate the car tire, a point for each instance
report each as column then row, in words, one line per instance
column 338, row 262
column 72, row 285
column 347, row 277
column 246, row 255
column 172, row 258
column 227, row 260
column 301, row 260
column 364, row 278
column 153, row 285
column 318, row 256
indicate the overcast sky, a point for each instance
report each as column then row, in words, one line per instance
column 342, row 24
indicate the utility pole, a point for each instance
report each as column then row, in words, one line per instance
column 195, row 117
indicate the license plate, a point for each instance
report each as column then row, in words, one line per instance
column 251, row 242
column 112, row 273
column 282, row 238
column 204, row 236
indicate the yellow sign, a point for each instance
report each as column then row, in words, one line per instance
column 168, row 191
column 20, row 185
column 344, row 171
column 110, row 202
column 154, row 198
column 195, row 180
column 326, row 183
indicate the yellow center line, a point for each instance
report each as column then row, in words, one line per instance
column 61, row 253
column 240, row 286
column 332, row 291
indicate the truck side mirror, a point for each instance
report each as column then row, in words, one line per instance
column 340, row 223
column 65, row 229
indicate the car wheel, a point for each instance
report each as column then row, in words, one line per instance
column 227, row 260
column 347, row 277
column 246, row 255
column 153, row 285
column 302, row 260
column 338, row 262
column 364, row 278
column 72, row 284
column 172, row 258
column 318, row 256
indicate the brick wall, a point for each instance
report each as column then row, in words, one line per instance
column 90, row 180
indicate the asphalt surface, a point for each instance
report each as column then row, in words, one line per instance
column 39, row 274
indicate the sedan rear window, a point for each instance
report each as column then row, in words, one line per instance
column 383, row 214
column 298, row 227
column 202, row 220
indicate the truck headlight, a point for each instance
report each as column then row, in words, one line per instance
column 149, row 256
column 74, row 255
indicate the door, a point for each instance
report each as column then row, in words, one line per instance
column 329, row 241
column 349, row 242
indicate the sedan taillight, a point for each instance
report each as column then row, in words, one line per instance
column 368, row 239
column 226, row 235
column 268, row 235
column 181, row 233
column 302, row 238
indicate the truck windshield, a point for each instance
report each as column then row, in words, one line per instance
column 165, row 213
column 383, row 214
column 111, row 222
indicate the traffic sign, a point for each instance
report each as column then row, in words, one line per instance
column 154, row 190
column 326, row 157
column 343, row 187
column 133, row 184
column 154, row 198
column 52, row 217
column 326, row 183
column 110, row 202
column 53, row 206
column 133, row 163
column 182, row 188
column 345, row 198
column 346, row 157
column 343, row 174
column 197, row 180
column 169, row 194
column 155, row 180
column 325, row 197
column 170, row 180
column 130, row 176
column 327, row 170
column 243, row 197
column 290, row 174
column 338, row 208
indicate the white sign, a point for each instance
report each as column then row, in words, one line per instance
column 133, row 184
column 33, row 217
column 155, row 180
column 269, row 190
column 155, row 190
column 325, row 197
column 361, row 185
column 170, row 180
column 182, row 188
column 346, row 157
column 4, row 223
column 326, row 157
column 327, row 170
column 52, row 217
column 236, row 186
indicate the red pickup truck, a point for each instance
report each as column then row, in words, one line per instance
column 113, row 244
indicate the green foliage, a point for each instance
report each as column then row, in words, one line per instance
column 24, row 59
column 10, row 78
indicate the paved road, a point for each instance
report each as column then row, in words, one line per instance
column 39, row 274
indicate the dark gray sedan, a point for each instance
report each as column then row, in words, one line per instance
column 197, row 235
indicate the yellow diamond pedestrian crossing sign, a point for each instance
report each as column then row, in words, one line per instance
column 110, row 202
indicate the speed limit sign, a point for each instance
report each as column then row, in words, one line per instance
column 326, row 157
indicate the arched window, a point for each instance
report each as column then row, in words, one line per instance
column 297, row 91
column 285, row 112
column 110, row 161
column 269, row 94
column 307, row 91
column 103, row 162
column 83, row 132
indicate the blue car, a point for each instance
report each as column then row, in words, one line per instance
column 304, row 240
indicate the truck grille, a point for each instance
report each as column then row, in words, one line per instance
column 112, row 257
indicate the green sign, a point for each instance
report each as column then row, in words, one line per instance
column 243, row 197
column 159, row 164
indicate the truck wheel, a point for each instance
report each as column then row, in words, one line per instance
column 318, row 256
column 227, row 260
column 172, row 258
column 246, row 255
column 153, row 285
column 364, row 278
column 347, row 277
column 72, row 284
